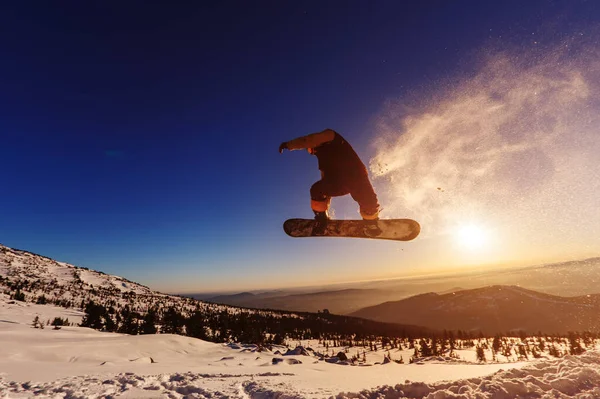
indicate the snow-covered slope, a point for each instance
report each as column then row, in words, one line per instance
column 24, row 313
column 26, row 265
column 43, row 280
column 78, row 362
column 116, row 304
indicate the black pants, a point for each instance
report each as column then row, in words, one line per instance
column 359, row 188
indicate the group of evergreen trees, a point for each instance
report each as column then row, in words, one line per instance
column 238, row 325
column 511, row 348
column 57, row 323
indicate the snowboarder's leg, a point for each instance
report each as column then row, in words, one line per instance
column 363, row 193
column 321, row 193
column 321, row 208
column 320, row 199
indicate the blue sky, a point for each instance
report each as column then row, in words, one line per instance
column 140, row 138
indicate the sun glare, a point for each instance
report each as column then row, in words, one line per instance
column 472, row 237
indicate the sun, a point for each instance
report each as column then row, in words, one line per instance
column 472, row 237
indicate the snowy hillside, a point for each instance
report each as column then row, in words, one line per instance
column 114, row 304
column 43, row 280
column 17, row 264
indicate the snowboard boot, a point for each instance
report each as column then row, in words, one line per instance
column 321, row 219
column 369, row 215
column 371, row 227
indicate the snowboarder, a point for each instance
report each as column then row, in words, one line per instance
column 342, row 172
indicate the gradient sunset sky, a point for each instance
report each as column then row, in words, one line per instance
column 140, row 138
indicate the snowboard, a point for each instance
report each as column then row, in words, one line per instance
column 383, row 229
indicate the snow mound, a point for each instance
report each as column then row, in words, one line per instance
column 571, row 376
column 278, row 360
column 143, row 360
column 298, row 351
column 439, row 359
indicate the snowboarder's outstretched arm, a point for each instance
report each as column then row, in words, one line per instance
column 310, row 141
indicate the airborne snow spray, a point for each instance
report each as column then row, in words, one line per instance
column 516, row 143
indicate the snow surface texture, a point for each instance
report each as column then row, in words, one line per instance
column 76, row 362
column 572, row 376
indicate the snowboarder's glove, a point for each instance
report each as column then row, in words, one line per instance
column 283, row 146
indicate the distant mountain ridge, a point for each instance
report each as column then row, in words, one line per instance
column 569, row 278
column 341, row 301
column 492, row 309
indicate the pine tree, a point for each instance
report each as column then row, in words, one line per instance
column 173, row 322
column 523, row 352
column 574, row 345
column 109, row 324
column 93, row 316
column 195, row 325
column 434, row 347
column 36, row 322
column 277, row 339
column 496, row 344
column 19, row 296
column 480, row 354
column 149, row 323
column 129, row 323
column 425, row 348
column 57, row 323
